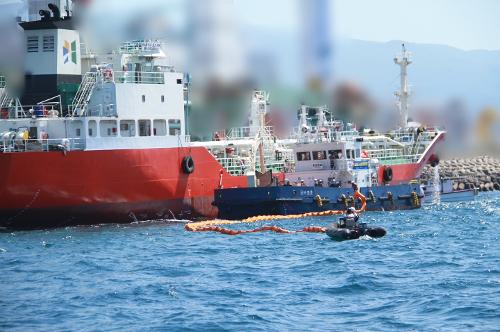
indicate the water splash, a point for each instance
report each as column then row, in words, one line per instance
column 436, row 186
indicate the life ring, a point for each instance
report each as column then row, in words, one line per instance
column 362, row 198
column 387, row 174
column 187, row 164
column 108, row 74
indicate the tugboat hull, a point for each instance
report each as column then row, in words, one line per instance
column 241, row 203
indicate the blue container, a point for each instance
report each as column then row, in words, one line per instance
column 38, row 111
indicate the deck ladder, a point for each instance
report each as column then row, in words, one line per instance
column 82, row 96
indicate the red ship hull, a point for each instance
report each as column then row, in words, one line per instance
column 404, row 173
column 50, row 189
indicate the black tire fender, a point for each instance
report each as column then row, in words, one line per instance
column 187, row 165
column 387, row 174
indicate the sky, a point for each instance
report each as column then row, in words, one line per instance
column 464, row 24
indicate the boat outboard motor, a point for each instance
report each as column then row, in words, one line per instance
column 45, row 14
column 55, row 11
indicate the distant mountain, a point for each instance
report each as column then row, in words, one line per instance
column 438, row 74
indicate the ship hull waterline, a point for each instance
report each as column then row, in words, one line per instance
column 241, row 203
column 53, row 189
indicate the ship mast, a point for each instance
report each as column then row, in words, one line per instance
column 403, row 60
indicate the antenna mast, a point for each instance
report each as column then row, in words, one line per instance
column 403, row 60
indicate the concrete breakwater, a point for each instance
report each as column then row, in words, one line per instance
column 477, row 172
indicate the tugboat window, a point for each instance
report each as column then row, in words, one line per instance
column 319, row 155
column 335, row 154
column 302, row 156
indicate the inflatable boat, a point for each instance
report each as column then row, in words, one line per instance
column 348, row 229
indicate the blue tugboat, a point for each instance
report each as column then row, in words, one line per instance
column 241, row 203
column 329, row 165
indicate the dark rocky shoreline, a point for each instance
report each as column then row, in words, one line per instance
column 477, row 172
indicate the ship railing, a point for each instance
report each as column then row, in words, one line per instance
column 140, row 46
column 317, row 134
column 422, row 142
column 232, row 165
column 406, row 135
column 346, row 135
column 18, row 111
column 395, row 156
column 45, row 145
column 139, row 77
column 247, row 132
column 108, row 110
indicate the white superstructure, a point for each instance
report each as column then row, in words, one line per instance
column 140, row 105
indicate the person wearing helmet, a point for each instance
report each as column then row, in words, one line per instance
column 351, row 213
column 350, row 219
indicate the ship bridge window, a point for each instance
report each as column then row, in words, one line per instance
column 108, row 128
column 144, row 127
column 335, row 154
column 174, row 127
column 162, row 98
column 302, row 156
column 32, row 44
column 48, row 43
column 127, row 128
column 319, row 155
column 349, row 154
column 159, row 127
column 143, row 98
column 92, row 125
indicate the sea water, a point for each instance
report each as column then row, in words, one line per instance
column 438, row 269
